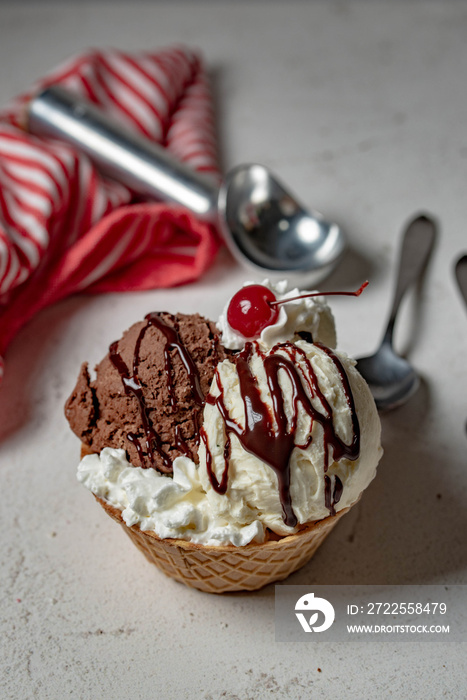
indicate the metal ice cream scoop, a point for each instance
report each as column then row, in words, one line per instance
column 263, row 225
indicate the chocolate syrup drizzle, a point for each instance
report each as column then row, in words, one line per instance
column 332, row 496
column 271, row 437
column 133, row 387
column 268, row 436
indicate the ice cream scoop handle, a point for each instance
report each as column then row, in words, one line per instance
column 137, row 162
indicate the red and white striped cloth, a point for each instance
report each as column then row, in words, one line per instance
column 64, row 228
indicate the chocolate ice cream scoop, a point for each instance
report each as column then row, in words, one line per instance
column 148, row 394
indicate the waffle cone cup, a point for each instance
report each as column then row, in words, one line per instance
column 226, row 568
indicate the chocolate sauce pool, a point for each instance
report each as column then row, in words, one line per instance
column 269, row 436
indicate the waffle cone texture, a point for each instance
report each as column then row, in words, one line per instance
column 226, row 568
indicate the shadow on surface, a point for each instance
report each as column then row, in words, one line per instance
column 408, row 526
column 23, row 360
column 352, row 270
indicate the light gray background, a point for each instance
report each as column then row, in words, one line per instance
column 362, row 109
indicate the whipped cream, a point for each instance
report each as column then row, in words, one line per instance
column 311, row 314
column 252, row 492
column 171, row 507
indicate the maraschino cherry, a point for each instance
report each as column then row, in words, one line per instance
column 255, row 307
column 250, row 310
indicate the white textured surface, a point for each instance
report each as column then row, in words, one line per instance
column 361, row 108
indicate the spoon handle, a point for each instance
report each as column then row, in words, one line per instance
column 137, row 162
column 417, row 244
column 461, row 276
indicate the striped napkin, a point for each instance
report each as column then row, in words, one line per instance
column 64, row 228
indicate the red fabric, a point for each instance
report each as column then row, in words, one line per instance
column 64, row 228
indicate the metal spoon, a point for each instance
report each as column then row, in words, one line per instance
column 392, row 380
column 461, row 276
column 263, row 225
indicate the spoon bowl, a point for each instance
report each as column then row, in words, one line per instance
column 391, row 378
column 267, row 229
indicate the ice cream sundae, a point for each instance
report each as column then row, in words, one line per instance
column 228, row 453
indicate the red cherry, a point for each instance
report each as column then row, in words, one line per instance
column 254, row 307
column 250, row 310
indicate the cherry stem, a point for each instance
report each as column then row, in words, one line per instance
column 321, row 294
